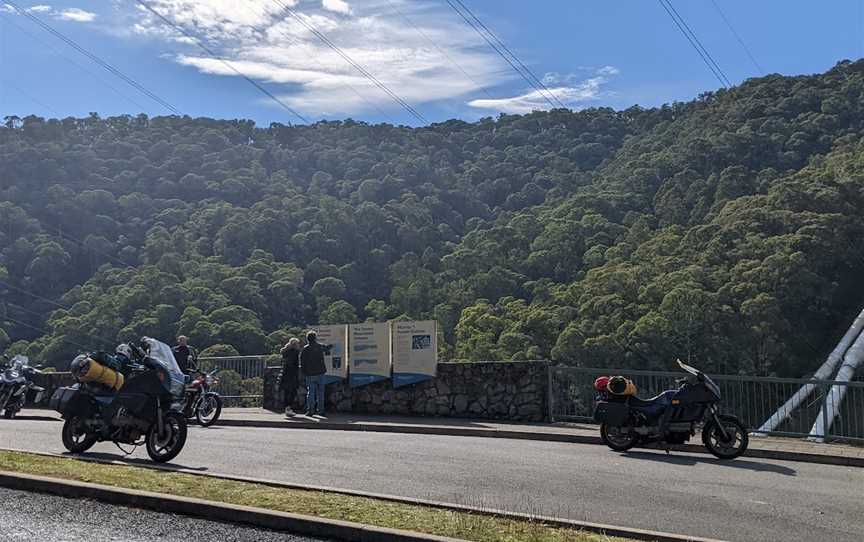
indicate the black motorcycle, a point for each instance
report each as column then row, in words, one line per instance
column 669, row 418
column 16, row 385
column 145, row 409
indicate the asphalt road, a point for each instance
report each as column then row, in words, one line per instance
column 744, row 499
column 29, row 517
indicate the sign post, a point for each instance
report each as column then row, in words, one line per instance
column 415, row 352
column 334, row 340
column 368, row 353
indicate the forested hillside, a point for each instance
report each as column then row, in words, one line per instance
column 728, row 230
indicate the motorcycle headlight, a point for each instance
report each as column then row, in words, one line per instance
column 15, row 374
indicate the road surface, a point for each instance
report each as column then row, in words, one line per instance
column 29, row 517
column 744, row 499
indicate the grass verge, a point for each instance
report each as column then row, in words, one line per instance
column 467, row 526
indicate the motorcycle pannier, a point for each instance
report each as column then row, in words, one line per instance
column 619, row 385
column 614, row 414
column 62, row 400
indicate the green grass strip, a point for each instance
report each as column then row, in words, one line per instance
column 377, row 512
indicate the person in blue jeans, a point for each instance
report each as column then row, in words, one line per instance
column 313, row 367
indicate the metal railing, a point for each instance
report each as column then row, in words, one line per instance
column 241, row 378
column 753, row 399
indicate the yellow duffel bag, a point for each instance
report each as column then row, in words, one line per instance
column 90, row 370
column 618, row 385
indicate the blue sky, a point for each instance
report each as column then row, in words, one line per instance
column 588, row 53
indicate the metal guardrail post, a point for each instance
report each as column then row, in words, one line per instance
column 549, row 395
column 826, row 393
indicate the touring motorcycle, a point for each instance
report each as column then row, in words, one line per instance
column 16, row 385
column 139, row 404
column 669, row 418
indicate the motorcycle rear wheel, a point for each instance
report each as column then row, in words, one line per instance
column 208, row 409
column 75, row 438
column 619, row 439
column 165, row 447
column 722, row 448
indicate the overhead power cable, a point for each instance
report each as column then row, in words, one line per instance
column 311, row 28
column 345, row 85
column 73, row 62
column 738, row 37
column 34, row 313
column 104, row 64
column 694, row 41
column 37, row 296
column 42, row 330
column 438, row 48
column 30, row 97
column 525, row 72
column 215, row 56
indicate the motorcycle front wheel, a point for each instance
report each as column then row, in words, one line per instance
column 619, row 439
column 735, row 442
column 165, row 447
column 209, row 409
column 75, row 437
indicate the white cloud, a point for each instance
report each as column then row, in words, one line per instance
column 39, row 9
column 338, row 6
column 568, row 89
column 268, row 44
column 77, row 15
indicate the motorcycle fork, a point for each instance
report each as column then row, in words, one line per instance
column 160, row 423
column 716, row 419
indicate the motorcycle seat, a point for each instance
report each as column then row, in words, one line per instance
column 653, row 406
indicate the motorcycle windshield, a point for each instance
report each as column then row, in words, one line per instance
column 161, row 353
column 692, row 370
column 19, row 362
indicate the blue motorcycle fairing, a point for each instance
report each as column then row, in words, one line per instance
column 655, row 406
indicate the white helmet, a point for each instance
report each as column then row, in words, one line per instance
column 123, row 349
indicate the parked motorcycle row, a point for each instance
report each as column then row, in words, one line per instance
column 138, row 396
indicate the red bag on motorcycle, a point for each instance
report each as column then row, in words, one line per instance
column 618, row 385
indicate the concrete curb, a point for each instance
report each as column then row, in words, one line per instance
column 755, row 453
column 599, row 528
column 258, row 517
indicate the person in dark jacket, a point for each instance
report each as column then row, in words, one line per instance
column 290, row 373
column 313, row 367
column 185, row 355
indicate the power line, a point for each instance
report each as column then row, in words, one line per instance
column 19, row 307
column 81, row 243
column 43, row 331
column 213, row 55
column 405, row 105
column 107, row 66
column 37, row 296
column 440, row 49
column 346, row 85
column 738, row 37
column 694, row 41
column 530, row 77
column 27, row 95
column 73, row 62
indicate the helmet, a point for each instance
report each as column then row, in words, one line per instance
column 124, row 350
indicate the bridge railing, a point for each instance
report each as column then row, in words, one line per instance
column 241, row 378
column 753, row 399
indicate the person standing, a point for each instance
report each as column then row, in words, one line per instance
column 290, row 373
column 313, row 367
column 185, row 355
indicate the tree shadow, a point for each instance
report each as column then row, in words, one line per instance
column 32, row 418
column 116, row 458
column 691, row 460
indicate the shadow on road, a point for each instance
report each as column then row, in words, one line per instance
column 690, row 460
column 116, row 458
column 33, row 419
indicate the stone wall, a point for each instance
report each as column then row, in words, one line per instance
column 515, row 391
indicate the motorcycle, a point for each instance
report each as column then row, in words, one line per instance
column 669, row 418
column 16, row 385
column 201, row 403
column 139, row 406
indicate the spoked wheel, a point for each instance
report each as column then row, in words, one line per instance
column 209, row 409
column 730, row 446
column 165, row 447
column 618, row 438
column 76, row 439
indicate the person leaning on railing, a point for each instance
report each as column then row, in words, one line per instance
column 290, row 373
